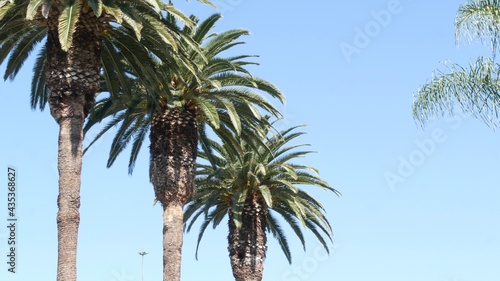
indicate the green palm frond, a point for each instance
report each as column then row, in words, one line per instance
column 228, row 99
column 114, row 80
column 139, row 136
column 279, row 234
column 6, row 7
column 207, row 2
column 209, row 111
column 96, row 6
column 157, row 4
column 133, row 31
column 67, row 22
column 203, row 227
column 33, row 8
column 213, row 216
column 475, row 89
column 313, row 227
column 479, row 20
column 25, row 44
column 205, row 27
column 250, row 168
column 136, row 26
column 116, row 120
column 11, row 33
column 39, row 88
column 238, row 203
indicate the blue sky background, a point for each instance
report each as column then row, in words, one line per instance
column 437, row 222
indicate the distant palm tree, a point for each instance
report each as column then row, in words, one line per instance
column 255, row 185
column 82, row 38
column 474, row 88
column 224, row 97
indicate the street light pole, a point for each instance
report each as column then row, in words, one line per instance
column 142, row 267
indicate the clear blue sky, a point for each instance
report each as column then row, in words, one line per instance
column 436, row 219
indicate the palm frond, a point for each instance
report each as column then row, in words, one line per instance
column 479, row 20
column 67, row 22
column 96, row 6
column 39, row 89
column 475, row 89
column 6, row 7
column 23, row 48
column 33, row 7
column 278, row 233
column 253, row 169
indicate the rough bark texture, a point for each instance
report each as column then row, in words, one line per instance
column 172, row 241
column 247, row 245
column 73, row 80
column 174, row 138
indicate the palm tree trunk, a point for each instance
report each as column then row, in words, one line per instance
column 173, row 149
column 73, row 80
column 172, row 241
column 247, row 245
column 68, row 216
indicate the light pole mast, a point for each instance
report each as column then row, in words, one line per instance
column 142, row 267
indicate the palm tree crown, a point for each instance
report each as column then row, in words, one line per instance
column 475, row 88
column 127, row 30
column 255, row 185
column 223, row 94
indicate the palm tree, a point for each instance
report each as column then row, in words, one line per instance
column 475, row 88
column 254, row 185
column 82, row 38
column 224, row 97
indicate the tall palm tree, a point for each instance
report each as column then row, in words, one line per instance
column 224, row 96
column 474, row 88
column 82, row 38
column 255, row 185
